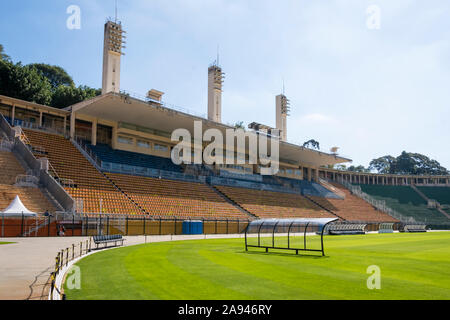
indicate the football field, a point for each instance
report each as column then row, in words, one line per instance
column 412, row 266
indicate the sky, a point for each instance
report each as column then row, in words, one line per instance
column 370, row 77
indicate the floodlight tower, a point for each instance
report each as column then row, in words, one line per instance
column 282, row 110
column 215, row 83
column 112, row 53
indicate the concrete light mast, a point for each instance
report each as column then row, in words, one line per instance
column 112, row 52
column 215, row 83
column 282, row 112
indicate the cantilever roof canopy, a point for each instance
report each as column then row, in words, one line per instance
column 151, row 114
column 287, row 234
column 17, row 208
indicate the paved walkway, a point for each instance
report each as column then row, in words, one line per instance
column 26, row 264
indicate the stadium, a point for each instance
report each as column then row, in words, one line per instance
column 99, row 176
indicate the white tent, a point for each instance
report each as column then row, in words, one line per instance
column 16, row 208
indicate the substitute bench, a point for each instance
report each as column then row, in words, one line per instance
column 105, row 240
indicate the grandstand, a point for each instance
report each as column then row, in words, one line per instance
column 352, row 208
column 180, row 199
column 32, row 197
column 164, row 190
column 407, row 202
column 440, row 194
column 79, row 177
column 106, row 154
column 267, row 204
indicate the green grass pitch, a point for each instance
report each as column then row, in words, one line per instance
column 413, row 266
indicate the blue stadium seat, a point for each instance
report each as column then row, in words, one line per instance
column 107, row 154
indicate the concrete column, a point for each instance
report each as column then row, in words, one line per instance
column 13, row 114
column 94, row 133
column 72, row 126
column 317, row 175
column 40, row 119
column 65, row 125
column 114, row 138
column 309, row 174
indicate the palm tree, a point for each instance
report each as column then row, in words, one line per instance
column 3, row 55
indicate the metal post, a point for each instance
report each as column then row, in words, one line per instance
column 48, row 226
column 273, row 234
column 73, row 251
column 289, row 234
column 216, row 227
column 107, row 225
column 127, row 226
column 160, row 226
column 175, row 226
column 227, row 227
column 321, row 239
column 73, row 224
column 304, row 235
column 21, row 226
column 144, row 226
column 259, row 234
column 246, row 248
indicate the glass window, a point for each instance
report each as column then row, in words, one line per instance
column 126, row 140
column 160, row 147
column 143, row 144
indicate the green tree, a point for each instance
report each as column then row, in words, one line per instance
column 312, row 144
column 239, row 125
column 382, row 164
column 57, row 76
column 64, row 96
column 3, row 55
column 416, row 163
column 24, row 82
column 358, row 169
column 408, row 163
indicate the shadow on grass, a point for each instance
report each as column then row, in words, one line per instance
column 285, row 254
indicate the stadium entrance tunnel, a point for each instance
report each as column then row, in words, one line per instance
column 287, row 234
